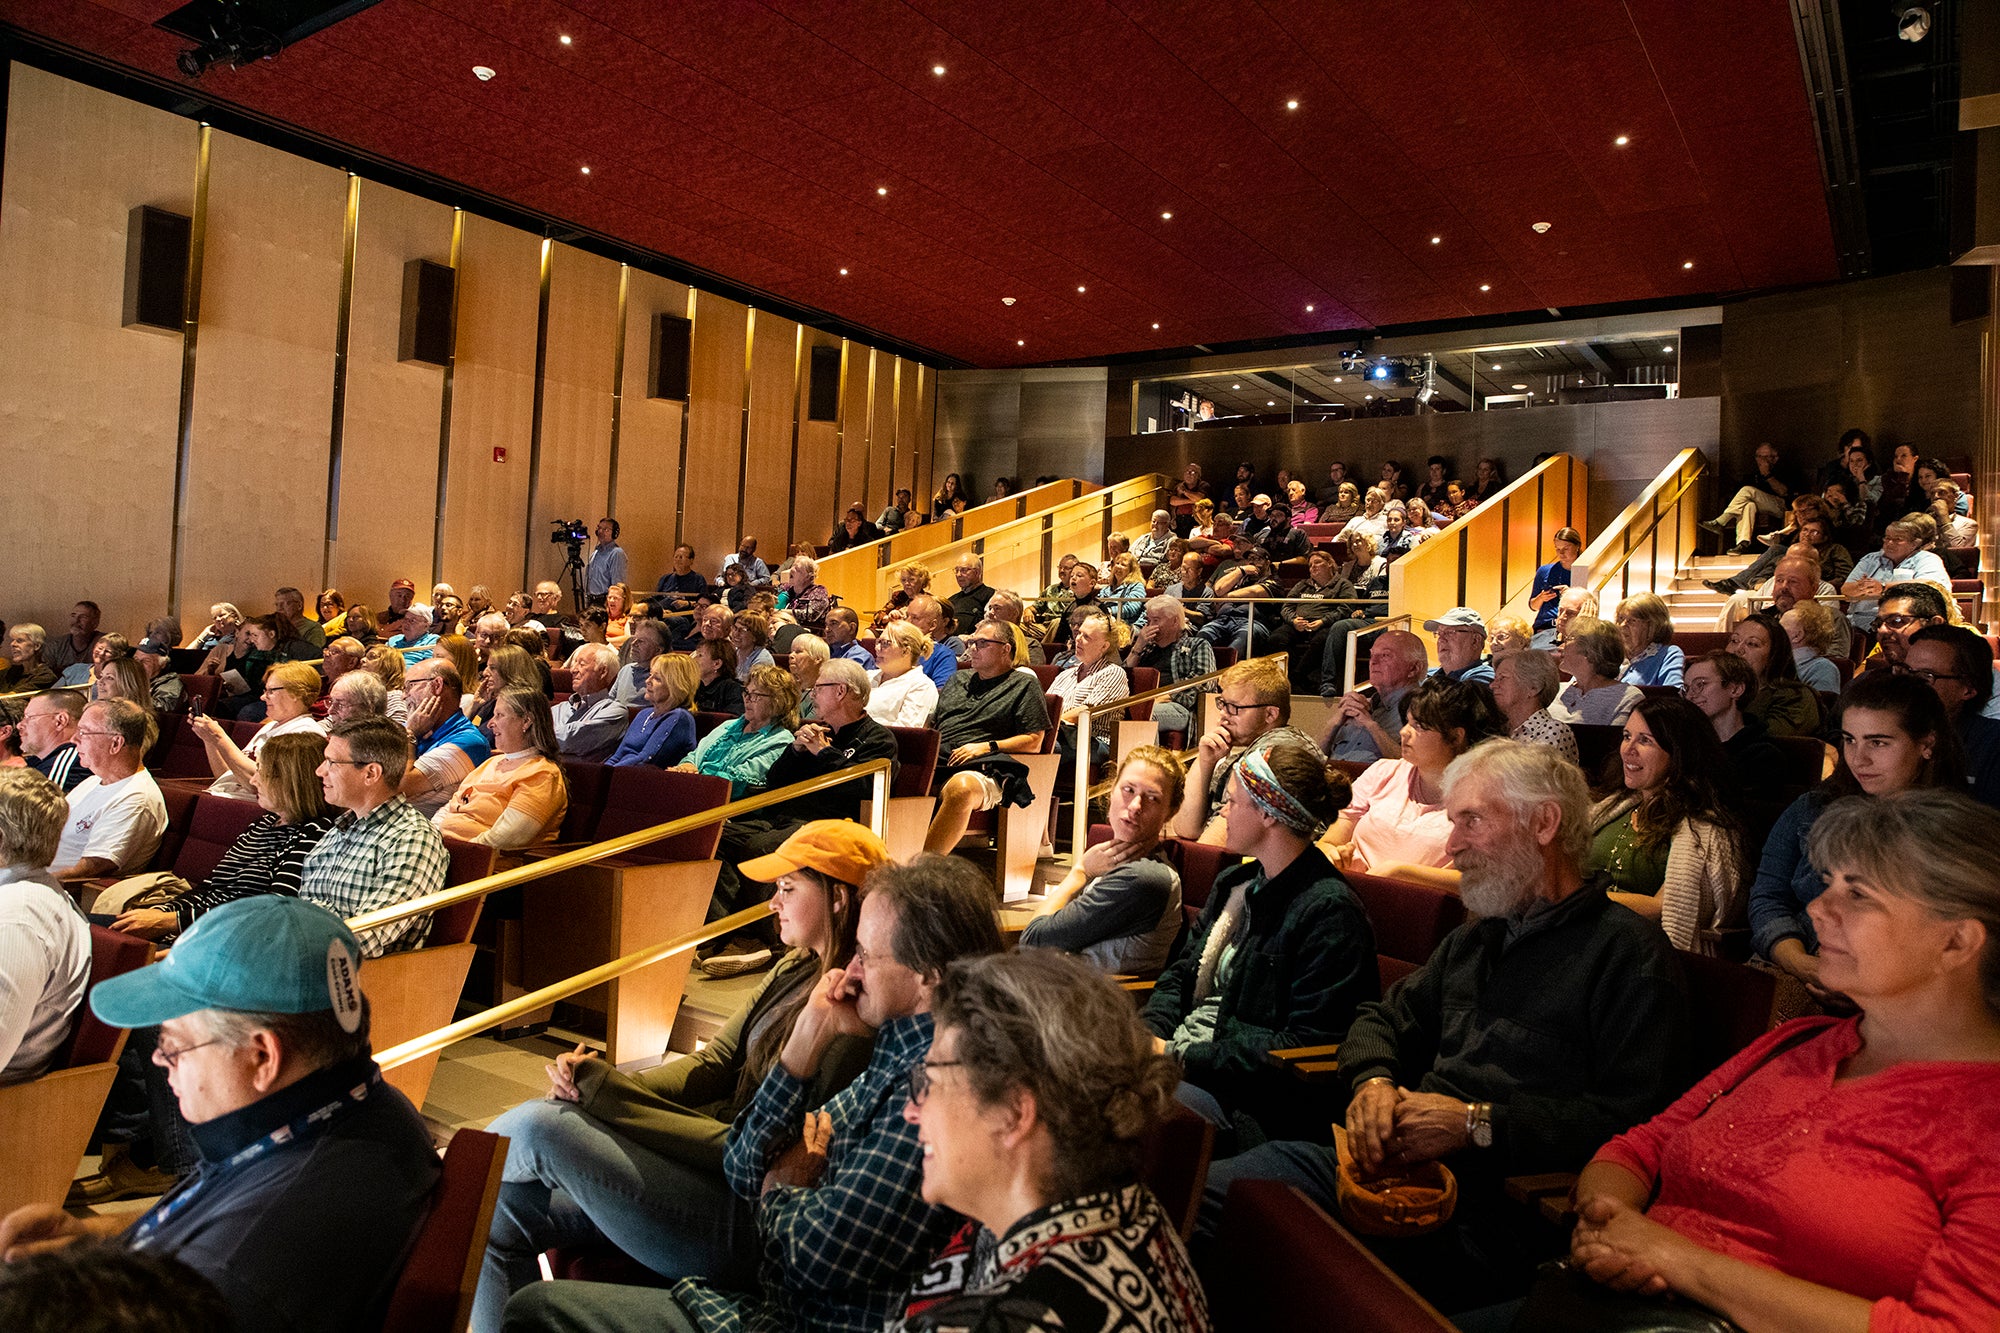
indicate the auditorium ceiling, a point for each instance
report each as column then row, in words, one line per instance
column 1327, row 166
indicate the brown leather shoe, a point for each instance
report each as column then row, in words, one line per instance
column 118, row 1177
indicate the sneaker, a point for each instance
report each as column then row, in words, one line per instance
column 1726, row 587
column 735, row 960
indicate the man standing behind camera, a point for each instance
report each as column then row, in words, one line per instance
column 607, row 563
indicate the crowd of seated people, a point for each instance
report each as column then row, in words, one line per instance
column 836, row 1159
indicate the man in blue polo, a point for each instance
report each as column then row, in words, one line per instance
column 315, row 1174
column 1461, row 645
column 447, row 745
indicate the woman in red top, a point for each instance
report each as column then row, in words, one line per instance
column 1840, row 1174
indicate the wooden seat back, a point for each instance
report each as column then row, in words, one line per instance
column 1175, row 1165
column 434, row 1293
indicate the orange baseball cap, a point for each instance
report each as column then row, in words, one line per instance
column 837, row 848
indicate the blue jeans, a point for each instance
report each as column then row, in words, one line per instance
column 1172, row 717
column 570, row 1180
column 1333, row 665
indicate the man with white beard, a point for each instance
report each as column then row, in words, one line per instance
column 1550, row 1022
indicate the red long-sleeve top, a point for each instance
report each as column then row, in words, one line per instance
column 1885, row 1187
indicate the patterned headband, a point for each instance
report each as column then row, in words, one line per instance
column 1270, row 795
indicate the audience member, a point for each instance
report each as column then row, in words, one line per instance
column 1281, row 955
column 1162, row 642
column 25, row 670
column 1786, row 704
column 808, row 653
column 1797, row 578
column 107, row 649
column 448, row 745
column 60, row 654
column 1718, row 683
column 1646, row 632
column 985, row 715
column 912, row 580
column 124, row 678
column 968, row 604
column 1595, row 696
column 1550, row 579
column 647, row 641
column 289, row 691
column 590, row 723
column 897, row 515
column 715, row 666
column 1120, row 904
column 44, row 939
column 1151, row 548
column 1550, row 1021
column 414, row 638
column 1524, row 685
column 1032, row 1106
column 1300, row 629
column 315, row 1173
column 750, row 636
column 507, row 667
column 47, row 735
column 1894, row 736
column 674, row 595
column 356, row 694
column 1574, row 604
column 662, row 733
column 1958, row 666
column 834, row 1237
column 854, row 529
column 744, row 748
column 1396, row 816
column 1253, row 712
column 1898, row 1104
column 116, row 815
column 1367, row 723
column 804, row 597
column 388, row 666
column 163, row 685
column 901, row 694
column 1904, row 558
column 380, row 851
column 1461, row 641
column 1093, row 679
column 95, row 1286
column 1810, row 627
column 1905, row 609
column 517, row 798
column 1667, row 845
column 1767, row 491
column 842, row 627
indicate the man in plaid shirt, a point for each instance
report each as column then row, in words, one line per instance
column 1161, row 641
column 842, row 1226
column 381, row 851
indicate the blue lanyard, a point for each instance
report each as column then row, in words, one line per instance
column 307, row 1126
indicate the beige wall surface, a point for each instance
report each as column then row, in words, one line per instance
column 91, row 411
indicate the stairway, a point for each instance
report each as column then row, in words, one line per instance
column 1697, row 608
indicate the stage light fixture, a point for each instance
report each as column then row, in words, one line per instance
column 1913, row 22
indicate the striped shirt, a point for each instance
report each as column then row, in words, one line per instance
column 267, row 857
column 60, row 766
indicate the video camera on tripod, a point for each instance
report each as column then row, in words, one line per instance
column 571, row 534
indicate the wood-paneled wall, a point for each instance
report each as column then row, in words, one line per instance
column 528, row 419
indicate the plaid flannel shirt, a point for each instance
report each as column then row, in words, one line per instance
column 838, row 1256
column 389, row 855
column 1193, row 657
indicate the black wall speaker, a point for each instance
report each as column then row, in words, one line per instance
column 428, row 291
column 673, row 340
column 823, row 392
column 156, row 260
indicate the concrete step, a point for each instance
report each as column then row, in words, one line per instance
column 1728, row 564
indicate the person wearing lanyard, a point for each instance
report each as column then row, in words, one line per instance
column 315, row 1174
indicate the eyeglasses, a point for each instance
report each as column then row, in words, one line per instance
column 168, row 1059
column 920, row 1078
column 829, row 685
column 1228, row 709
column 758, row 694
column 1927, row 677
column 1899, row 621
column 81, row 732
column 975, row 641
column 351, row 763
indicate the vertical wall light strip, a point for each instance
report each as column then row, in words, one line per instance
column 444, row 409
column 535, row 421
column 336, row 436
column 190, row 328
column 868, row 448
column 687, row 409
column 743, row 442
column 792, row 486
column 840, row 434
column 895, row 434
column 617, row 387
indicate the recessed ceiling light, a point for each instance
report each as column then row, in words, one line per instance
column 1688, row 264
column 938, row 70
column 1520, row 386
column 1156, row 326
column 1309, row 310
column 585, row 170
column 843, row 273
column 1621, row 140
column 1079, row 287
column 1666, row 349
column 1168, row 216
column 1270, row 402
column 1336, row 379
column 1437, row 240
column 1485, row 286
column 1292, row 104
column 564, row 39
column 1367, row 397
column 482, row 72
column 1235, row 386
column 1020, row 342
column 1496, row 364
column 881, row 189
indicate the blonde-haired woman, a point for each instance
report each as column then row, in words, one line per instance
column 663, row 733
column 289, row 691
column 900, row 693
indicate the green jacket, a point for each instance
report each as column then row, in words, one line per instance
column 1787, row 707
column 682, row 1109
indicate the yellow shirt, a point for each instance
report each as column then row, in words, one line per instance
column 534, row 787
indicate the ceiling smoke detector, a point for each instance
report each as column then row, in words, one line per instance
column 1541, row 227
column 1006, row 300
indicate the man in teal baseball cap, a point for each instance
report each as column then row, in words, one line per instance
column 315, row 1174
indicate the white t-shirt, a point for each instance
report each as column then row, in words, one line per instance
column 121, row 822
column 907, row 701
column 44, row 965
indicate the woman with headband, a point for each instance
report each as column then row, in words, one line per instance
column 1281, row 956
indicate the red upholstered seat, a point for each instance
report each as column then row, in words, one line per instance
column 1282, row 1266
column 1410, row 920
column 112, row 953
column 1144, row 681
column 1595, row 745
column 1175, row 1166
column 435, row 1290
column 198, row 689
column 587, row 785
column 184, row 755
column 640, row 796
column 707, row 722
column 562, row 680
column 916, row 759
column 213, row 825
column 1695, row 642
column 179, row 801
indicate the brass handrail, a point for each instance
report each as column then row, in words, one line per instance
column 1650, row 506
column 416, row 1048
column 878, row 769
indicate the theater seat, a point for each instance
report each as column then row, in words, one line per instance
column 179, row 801
column 417, row 991
column 1018, row 833
column 1175, row 1164
column 1410, row 920
column 198, row 689
column 434, row 1293
column 1595, row 746
column 707, row 722
column 911, row 804
column 1283, row 1266
column 1696, row 642
column 587, row 783
column 46, row 1122
column 213, row 826
column 184, row 756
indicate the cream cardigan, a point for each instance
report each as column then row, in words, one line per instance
column 1701, row 894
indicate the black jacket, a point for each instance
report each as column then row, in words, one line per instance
column 855, row 743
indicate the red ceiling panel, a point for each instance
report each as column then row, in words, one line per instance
column 747, row 138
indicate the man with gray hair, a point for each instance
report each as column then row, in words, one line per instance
column 116, row 815
column 1163, row 643
column 44, row 940
column 24, row 669
column 357, row 694
column 1550, row 1022
column 1366, row 723
column 1151, row 548
column 590, row 723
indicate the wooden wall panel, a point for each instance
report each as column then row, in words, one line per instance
column 492, row 407
column 854, row 403
column 881, row 436
column 909, row 443
column 715, row 429
column 649, row 436
column 819, row 458
column 576, row 402
column 263, row 390
column 773, row 393
column 388, row 471
column 927, row 477
column 87, row 408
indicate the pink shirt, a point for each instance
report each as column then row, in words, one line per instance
column 1392, row 823
column 1884, row 1187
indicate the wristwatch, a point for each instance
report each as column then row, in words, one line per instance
column 1479, row 1124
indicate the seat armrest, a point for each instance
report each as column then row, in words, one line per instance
column 1548, row 1194
column 1308, row 1064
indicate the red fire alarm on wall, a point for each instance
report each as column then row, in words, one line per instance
column 499, row 453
